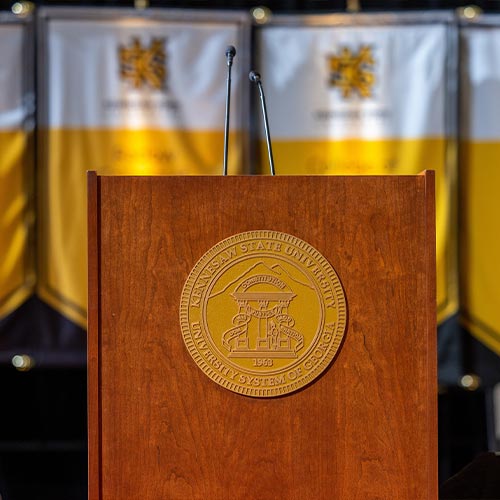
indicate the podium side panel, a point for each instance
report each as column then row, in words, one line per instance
column 430, row 218
column 93, row 383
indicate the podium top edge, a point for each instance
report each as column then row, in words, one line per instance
column 93, row 173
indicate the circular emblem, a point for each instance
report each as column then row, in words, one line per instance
column 263, row 313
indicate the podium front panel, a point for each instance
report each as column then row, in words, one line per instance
column 159, row 428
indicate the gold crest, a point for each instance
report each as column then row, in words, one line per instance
column 263, row 313
column 353, row 72
column 144, row 66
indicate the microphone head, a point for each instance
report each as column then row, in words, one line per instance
column 230, row 51
column 254, row 76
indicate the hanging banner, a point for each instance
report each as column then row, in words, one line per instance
column 128, row 92
column 367, row 94
column 16, row 215
column 480, row 179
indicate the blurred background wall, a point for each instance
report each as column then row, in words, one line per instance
column 138, row 88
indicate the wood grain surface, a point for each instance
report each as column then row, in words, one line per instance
column 159, row 428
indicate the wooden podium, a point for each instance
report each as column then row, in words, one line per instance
column 160, row 429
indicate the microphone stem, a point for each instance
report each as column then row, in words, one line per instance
column 226, row 125
column 266, row 127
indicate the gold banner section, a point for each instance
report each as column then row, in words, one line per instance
column 383, row 157
column 480, row 241
column 16, row 263
column 66, row 155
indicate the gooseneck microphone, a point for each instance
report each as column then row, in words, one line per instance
column 255, row 78
column 230, row 53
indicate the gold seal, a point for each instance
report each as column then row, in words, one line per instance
column 263, row 313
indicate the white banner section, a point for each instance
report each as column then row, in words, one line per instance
column 140, row 73
column 371, row 82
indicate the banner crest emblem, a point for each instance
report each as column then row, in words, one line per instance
column 143, row 66
column 352, row 72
